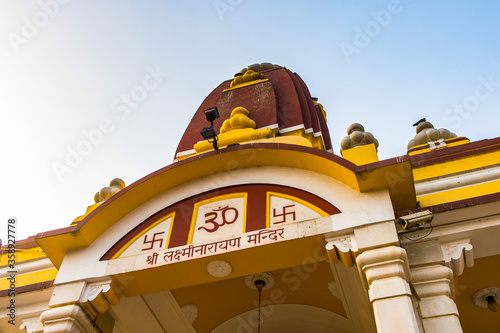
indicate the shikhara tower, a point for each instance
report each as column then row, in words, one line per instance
column 343, row 243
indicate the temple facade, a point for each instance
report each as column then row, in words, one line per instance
column 259, row 226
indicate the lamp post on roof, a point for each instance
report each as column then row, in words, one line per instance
column 209, row 132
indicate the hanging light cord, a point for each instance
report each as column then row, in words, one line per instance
column 259, row 284
column 258, row 330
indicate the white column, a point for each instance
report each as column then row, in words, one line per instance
column 433, row 284
column 438, row 310
column 385, row 273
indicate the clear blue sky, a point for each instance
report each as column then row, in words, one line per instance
column 66, row 65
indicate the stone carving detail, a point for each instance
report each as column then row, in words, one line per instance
column 219, row 268
column 343, row 249
column 457, row 255
column 99, row 296
column 94, row 289
column 346, row 242
column 437, row 144
column 426, row 133
column 32, row 325
column 190, row 311
column 334, row 289
column 356, row 136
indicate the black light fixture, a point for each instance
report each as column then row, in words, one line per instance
column 208, row 133
column 259, row 284
column 487, row 298
column 492, row 303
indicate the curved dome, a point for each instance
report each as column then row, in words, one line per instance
column 275, row 97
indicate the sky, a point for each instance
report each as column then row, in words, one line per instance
column 93, row 90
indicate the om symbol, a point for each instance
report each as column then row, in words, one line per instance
column 210, row 218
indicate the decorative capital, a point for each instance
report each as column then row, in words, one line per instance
column 432, row 281
column 98, row 297
column 457, row 255
column 383, row 263
column 66, row 319
column 343, row 249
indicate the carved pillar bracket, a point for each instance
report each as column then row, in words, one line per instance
column 343, row 249
column 74, row 306
column 32, row 325
column 66, row 319
column 433, row 285
column 385, row 274
column 99, row 296
column 457, row 255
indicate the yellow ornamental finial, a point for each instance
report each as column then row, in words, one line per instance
column 356, row 136
column 105, row 193
column 427, row 133
column 358, row 146
column 248, row 76
column 239, row 119
column 115, row 186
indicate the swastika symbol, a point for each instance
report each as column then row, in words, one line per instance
column 152, row 241
column 286, row 211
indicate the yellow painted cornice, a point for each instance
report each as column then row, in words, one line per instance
column 235, row 136
column 361, row 154
column 245, row 79
column 426, row 147
column 21, row 255
column 389, row 174
column 241, row 85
